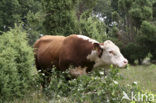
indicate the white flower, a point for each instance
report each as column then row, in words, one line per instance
column 115, row 82
column 97, row 78
column 135, row 83
column 102, row 73
column 39, row 70
column 43, row 74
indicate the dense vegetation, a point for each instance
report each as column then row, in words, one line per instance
column 92, row 88
column 16, row 65
column 131, row 24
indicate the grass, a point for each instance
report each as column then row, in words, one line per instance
column 34, row 97
column 144, row 75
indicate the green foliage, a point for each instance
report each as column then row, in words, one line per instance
column 135, row 11
column 27, row 11
column 103, row 9
column 115, row 16
column 140, row 14
column 9, row 13
column 85, row 6
column 114, row 31
column 60, row 17
column 148, row 37
column 34, row 25
column 124, row 5
column 93, row 28
column 129, row 17
column 154, row 10
column 32, row 15
column 92, row 88
column 16, row 65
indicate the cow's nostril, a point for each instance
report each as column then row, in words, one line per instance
column 125, row 62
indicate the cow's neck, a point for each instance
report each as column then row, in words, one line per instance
column 95, row 58
column 98, row 62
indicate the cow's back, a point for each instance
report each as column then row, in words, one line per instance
column 47, row 50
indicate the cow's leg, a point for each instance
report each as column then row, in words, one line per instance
column 63, row 65
column 38, row 67
column 46, row 74
column 105, row 72
column 41, row 71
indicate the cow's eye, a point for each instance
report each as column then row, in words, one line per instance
column 111, row 52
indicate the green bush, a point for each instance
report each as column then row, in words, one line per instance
column 93, row 27
column 91, row 88
column 16, row 65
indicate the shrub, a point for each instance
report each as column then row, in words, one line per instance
column 91, row 88
column 16, row 64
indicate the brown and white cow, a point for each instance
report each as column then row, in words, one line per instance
column 76, row 50
column 79, row 50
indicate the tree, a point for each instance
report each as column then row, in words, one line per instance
column 27, row 11
column 148, row 37
column 103, row 10
column 85, row 6
column 131, row 16
column 60, row 17
column 32, row 15
column 93, row 28
column 154, row 11
column 9, row 14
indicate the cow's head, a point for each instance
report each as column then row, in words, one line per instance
column 108, row 53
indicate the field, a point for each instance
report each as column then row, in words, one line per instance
column 144, row 75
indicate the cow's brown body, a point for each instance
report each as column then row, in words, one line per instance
column 62, row 51
column 47, row 50
column 74, row 52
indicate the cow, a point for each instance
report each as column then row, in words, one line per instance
column 78, row 51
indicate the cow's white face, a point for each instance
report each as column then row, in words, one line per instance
column 107, row 53
column 111, row 54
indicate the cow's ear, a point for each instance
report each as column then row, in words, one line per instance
column 97, row 47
